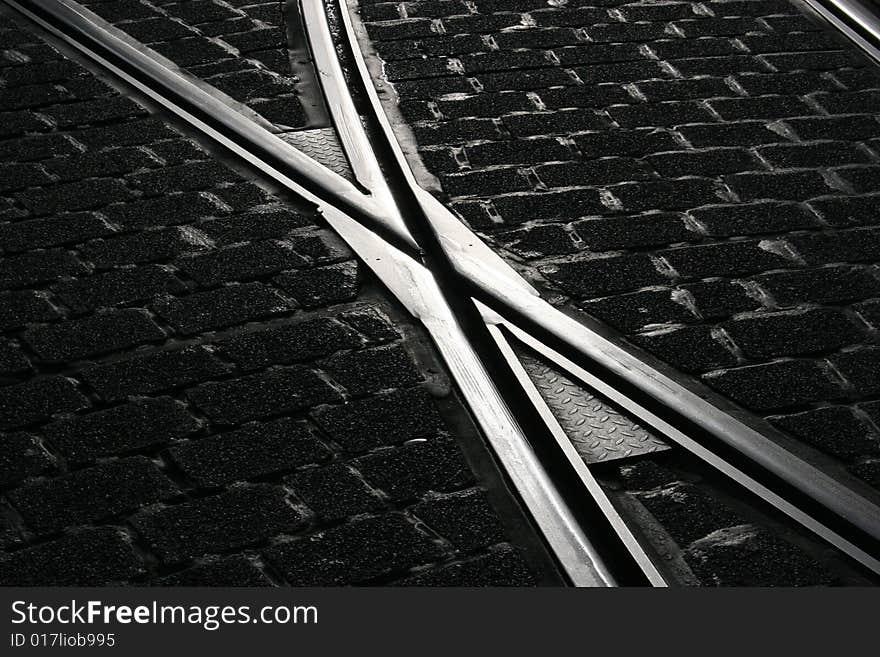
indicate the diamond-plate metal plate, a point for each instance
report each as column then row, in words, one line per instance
column 322, row 145
column 598, row 431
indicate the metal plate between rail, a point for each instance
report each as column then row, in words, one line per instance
column 599, row 432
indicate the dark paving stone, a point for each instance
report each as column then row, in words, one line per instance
column 334, row 492
column 372, row 370
column 556, row 204
column 240, row 517
column 868, row 471
column 52, row 231
column 272, row 392
column 177, row 151
column 151, row 30
column 769, row 107
column 229, row 571
column 538, row 241
column 844, row 246
column 562, row 122
column 742, row 133
column 16, row 123
column 354, row 552
column 796, row 82
column 861, row 368
column 91, row 557
column 792, row 185
column 37, row 147
column 32, row 96
column 153, row 372
column 598, row 172
column 90, row 112
column 372, row 324
column 822, row 285
column 691, row 348
column 598, row 95
column 184, row 177
column 631, row 312
column 240, row 263
column 748, row 556
column 38, row 267
column 253, row 451
column 21, row 176
column 12, row 359
column 416, row 468
column 270, row 223
column 848, row 211
column 844, row 128
column 723, row 259
column 466, row 519
column 659, row 115
column 292, row 343
column 122, row 429
column 243, row 196
column 695, row 89
column 191, row 50
column 106, row 163
column 834, row 430
column 322, row 286
column 141, row 247
column 776, row 385
column 130, row 133
column 754, row 218
column 793, row 333
column 38, row 400
column 21, row 456
column 80, row 338
column 538, row 151
column 666, row 195
column 81, row 195
column 820, row 154
column 625, row 142
column 482, row 182
column 225, row 306
column 601, row 276
column 645, row 475
column 640, row 230
column 687, row 511
column 118, row 287
column 169, row 209
column 503, row 566
column 869, row 310
column 381, row 420
column 708, row 162
column 96, row 493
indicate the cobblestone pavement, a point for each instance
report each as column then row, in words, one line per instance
column 198, row 383
column 239, row 47
column 701, row 177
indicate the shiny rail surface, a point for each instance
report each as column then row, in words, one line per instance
column 477, row 309
column 856, row 19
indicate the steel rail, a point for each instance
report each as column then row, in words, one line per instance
column 415, row 286
column 855, row 19
column 679, row 407
column 368, row 171
column 410, row 282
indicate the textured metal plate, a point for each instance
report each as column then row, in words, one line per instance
column 322, row 146
column 597, row 430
